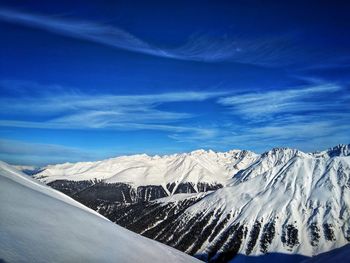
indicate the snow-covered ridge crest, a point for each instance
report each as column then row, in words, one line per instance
column 276, row 158
column 198, row 166
column 339, row 150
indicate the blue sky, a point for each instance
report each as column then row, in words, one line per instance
column 86, row 81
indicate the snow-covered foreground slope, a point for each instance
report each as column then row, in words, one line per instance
column 39, row 224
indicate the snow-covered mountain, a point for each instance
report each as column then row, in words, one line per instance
column 40, row 224
column 305, row 198
column 139, row 170
column 283, row 201
column 143, row 177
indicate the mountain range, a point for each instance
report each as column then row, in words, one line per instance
column 221, row 206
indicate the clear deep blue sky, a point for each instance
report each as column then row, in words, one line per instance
column 86, row 81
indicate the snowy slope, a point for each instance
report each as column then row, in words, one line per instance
column 300, row 193
column 198, row 166
column 39, row 224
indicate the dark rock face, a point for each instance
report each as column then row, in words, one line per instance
column 70, row 187
column 191, row 188
column 203, row 187
column 290, row 236
column 122, row 193
column 328, row 232
column 170, row 187
column 253, row 238
column 315, row 234
column 150, row 192
column 186, row 188
column 86, row 191
column 267, row 236
column 347, row 234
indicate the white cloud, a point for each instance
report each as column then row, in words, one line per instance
column 99, row 33
column 310, row 118
column 268, row 51
column 76, row 110
column 311, row 135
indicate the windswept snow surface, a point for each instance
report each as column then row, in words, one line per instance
column 39, row 224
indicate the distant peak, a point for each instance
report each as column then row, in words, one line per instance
column 198, row 152
column 281, row 150
column 338, row 150
column 343, row 147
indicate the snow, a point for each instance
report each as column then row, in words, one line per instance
column 198, row 166
column 39, row 224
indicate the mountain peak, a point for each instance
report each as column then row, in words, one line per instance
column 282, row 154
column 339, row 150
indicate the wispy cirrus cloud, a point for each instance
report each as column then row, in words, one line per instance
column 95, row 32
column 296, row 101
column 311, row 117
column 317, row 114
column 305, row 133
column 268, row 51
column 197, row 48
column 77, row 110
